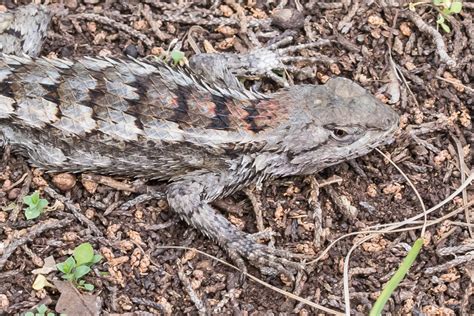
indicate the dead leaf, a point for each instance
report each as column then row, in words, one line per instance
column 48, row 266
column 41, row 282
column 72, row 302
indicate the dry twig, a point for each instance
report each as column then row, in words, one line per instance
column 438, row 39
column 114, row 24
column 32, row 233
column 189, row 289
column 74, row 209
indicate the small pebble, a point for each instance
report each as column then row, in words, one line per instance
column 131, row 50
column 288, row 18
column 70, row 4
column 90, row 213
column 4, row 303
column 64, row 181
column 13, row 194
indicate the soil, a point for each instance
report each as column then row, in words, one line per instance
column 433, row 97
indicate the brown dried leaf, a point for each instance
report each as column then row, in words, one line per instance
column 48, row 266
column 72, row 302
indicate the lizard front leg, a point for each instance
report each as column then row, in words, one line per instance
column 190, row 197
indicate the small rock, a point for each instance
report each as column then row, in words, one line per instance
column 131, row 50
column 64, row 181
column 138, row 214
column 335, row 69
column 6, row 184
column 4, row 303
column 226, row 30
column 398, row 46
column 13, row 194
column 372, row 190
column 125, row 245
column 375, row 20
column 288, row 18
column 157, row 51
column 70, row 4
column 405, row 29
column 90, row 213
column 410, row 66
column 70, row 236
column 39, row 181
column 91, row 1
column 140, row 25
column 226, row 10
column 91, row 27
column 90, row 186
column 105, row 53
column 99, row 38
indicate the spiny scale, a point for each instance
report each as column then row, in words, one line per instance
column 99, row 105
column 117, row 96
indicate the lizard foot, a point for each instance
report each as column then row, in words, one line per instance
column 270, row 261
column 258, row 62
column 190, row 198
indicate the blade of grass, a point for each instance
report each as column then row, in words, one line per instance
column 396, row 278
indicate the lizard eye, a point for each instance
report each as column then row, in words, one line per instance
column 345, row 134
column 339, row 134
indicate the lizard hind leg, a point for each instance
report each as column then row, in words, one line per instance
column 190, row 197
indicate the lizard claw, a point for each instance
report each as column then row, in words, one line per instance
column 221, row 68
column 269, row 260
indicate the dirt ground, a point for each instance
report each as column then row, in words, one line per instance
column 430, row 90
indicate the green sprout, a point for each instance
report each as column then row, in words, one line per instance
column 35, row 205
column 445, row 8
column 78, row 265
column 395, row 280
column 41, row 310
column 177, row 56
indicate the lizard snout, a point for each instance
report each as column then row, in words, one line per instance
column 389, row 119
column 392, row 120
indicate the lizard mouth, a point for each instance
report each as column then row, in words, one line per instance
column 380, row 139
column 387, row 138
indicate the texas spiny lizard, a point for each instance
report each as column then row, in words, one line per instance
column 143, row 118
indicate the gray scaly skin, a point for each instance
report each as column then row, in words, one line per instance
column 24, row 30
column 142, row 118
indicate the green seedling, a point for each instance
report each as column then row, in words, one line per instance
column 177, row 56
column 36, row 205
column 41, row 310
column 444, row 7
column 78, row 265
column 395, row 280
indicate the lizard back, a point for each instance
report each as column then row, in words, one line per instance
column 131, row 115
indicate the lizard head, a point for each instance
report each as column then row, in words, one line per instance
column 329, row 124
